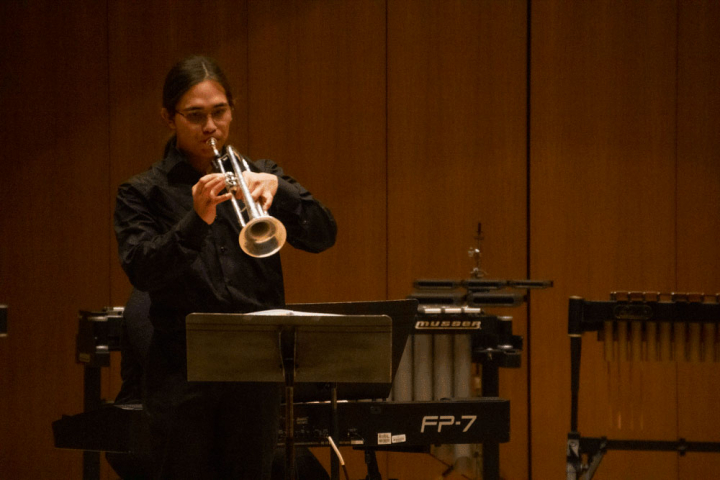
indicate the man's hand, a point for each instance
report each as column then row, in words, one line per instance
column 262, row 186
column 206, row 196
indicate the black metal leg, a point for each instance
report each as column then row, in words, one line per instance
column 91, row 465
column 372, row 466
column 575, row 349
column 491, row 461
column 334, row 461
column 287, row 347
column 491, row 450
column 91, row 401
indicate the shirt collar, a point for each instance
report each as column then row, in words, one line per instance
column 178, row 168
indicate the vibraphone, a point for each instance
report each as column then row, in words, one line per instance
column 453, row 332
column 639, row 326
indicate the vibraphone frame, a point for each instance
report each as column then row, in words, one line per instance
column 448, row 299
column 587, row 316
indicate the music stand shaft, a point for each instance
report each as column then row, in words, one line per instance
column 287, row 347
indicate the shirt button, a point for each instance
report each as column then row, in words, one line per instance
column 222, row 249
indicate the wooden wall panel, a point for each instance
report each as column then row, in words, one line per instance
column 408, row 119
column 317, row 107
column 53, row 178
column 456, row 157
column 145, row 40
column 602, row 216
column 316, row 97
column 698, row 222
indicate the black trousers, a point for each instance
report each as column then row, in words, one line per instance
column 208, row 430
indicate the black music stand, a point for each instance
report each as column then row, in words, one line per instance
column 290, row 347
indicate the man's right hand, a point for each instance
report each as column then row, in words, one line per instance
column 206, row 196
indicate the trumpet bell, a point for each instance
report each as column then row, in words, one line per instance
column 262, row 237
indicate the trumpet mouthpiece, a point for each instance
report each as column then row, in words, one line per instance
column 213, row 144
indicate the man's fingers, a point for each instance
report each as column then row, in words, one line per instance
column 221, row 198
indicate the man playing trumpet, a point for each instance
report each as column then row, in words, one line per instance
column 178, row 240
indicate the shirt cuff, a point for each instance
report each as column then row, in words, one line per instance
column 192, row 230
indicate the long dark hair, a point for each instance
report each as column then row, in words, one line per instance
column 184, row 75
column 187, row 73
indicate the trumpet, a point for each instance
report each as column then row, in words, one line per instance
column 261, row 235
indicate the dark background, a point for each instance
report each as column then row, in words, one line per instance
column 583, row 135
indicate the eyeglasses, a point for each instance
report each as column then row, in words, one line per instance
column 199, row 117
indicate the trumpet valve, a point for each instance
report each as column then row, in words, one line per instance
column 231, row 183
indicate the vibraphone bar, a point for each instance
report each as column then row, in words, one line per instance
column 639, row 326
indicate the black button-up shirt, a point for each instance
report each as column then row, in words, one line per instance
column 189, row 266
